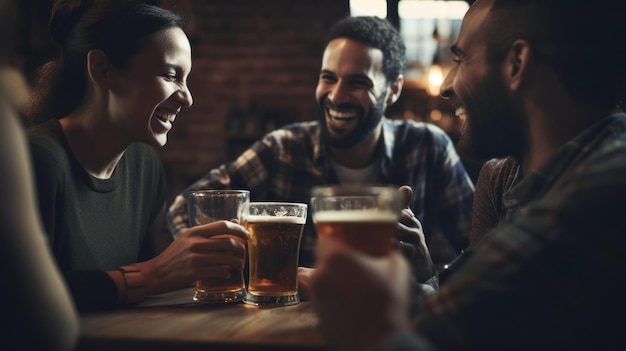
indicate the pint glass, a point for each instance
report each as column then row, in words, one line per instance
column 363, row 217
column 275, row 231
column 206, row 206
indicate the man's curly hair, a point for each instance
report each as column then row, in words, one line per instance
column 377, row 33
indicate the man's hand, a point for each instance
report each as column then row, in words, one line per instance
column 361, row 300
column 411, row 241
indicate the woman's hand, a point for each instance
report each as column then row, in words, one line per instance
column 200, row 252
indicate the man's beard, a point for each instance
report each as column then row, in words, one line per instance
column 495, row 128
column 364, row 128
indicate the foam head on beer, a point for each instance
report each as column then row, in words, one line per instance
column 361, row 216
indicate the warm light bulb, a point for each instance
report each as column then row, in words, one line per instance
column 435, row 79
column 436, row 115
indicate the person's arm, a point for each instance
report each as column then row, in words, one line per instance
column 490, row 187
column 194, row 255
column 177, row 216
column 362, row 301
column 38, row 297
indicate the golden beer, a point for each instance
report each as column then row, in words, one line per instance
column 369, row 231
column 234, row 283
column 273, row 253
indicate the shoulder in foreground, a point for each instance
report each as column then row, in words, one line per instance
column 13, row 87
column 503, row 164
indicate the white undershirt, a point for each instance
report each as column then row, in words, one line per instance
column 368, row 174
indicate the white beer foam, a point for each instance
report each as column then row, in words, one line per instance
column 355, row 216
column 276, row 219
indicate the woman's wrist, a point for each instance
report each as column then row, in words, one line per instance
column 134, row 285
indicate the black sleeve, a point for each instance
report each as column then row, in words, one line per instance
column 92, row 290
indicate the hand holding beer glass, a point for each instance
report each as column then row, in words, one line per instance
column 207, row 206
column 363, row 217
column 275, row 231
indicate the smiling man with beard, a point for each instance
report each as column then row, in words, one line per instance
column 353, row 142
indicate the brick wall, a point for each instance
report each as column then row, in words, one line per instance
column 255, row 67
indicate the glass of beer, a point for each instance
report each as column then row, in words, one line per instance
column 275, row 231
column 361, row 216
column 207, row 206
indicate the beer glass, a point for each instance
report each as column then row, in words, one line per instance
column 206, row 206
column 363, row 217
column 275, row 231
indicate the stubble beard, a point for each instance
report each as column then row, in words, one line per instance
column 365, row 127
column 494, row 127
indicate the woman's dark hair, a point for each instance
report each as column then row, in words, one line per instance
column 117, row 27
column 377, row 33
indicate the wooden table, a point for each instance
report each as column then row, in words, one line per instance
column 172, row 321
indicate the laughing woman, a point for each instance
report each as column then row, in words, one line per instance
column 100, row 110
